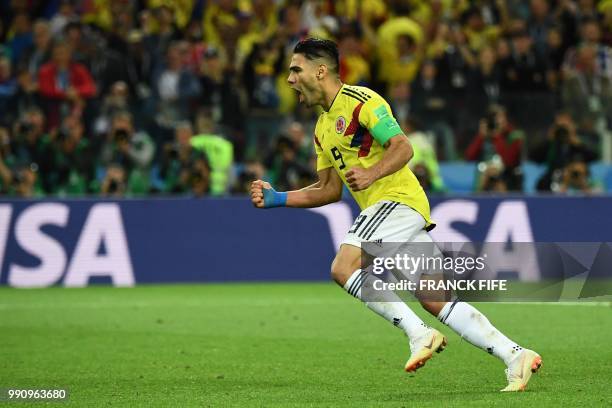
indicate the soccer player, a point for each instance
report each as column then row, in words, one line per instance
column 359, row 143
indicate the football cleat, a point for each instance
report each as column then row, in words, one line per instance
column 422, row 348
column 520, row 369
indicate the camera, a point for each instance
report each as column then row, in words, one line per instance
column 121, row 135
column 25, row 126
column 62, row 135
column 113, row 186
column 195, row 176
column 561, row 134
column 173, row 153
column 491, row 121
column 494, row 178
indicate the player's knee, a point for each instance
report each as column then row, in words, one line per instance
column 432, row 306
column 340, row 272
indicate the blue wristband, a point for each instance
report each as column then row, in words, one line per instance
column 273, row 198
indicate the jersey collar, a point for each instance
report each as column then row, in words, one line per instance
column 334, row 100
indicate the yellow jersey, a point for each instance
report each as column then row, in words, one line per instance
column 352, row 133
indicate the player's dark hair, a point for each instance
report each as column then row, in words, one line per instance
column 313, row 48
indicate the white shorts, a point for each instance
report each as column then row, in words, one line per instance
column 387, row 221
column 389, row 229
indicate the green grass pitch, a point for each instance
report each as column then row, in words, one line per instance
column 280, row 345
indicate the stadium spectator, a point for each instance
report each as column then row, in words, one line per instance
column 65, row 85
column 8, row 84
column 114, row 183
column 587, row 93
column 68, row 166
column 105, row 64
column 562, row 148
column 198, row 179
column 525, row 74
column 539, row 25
column 132, row 150
column 20, row 36
column 176, row 88
column 555, row 52
column 484, row 83
column 303, row 144
column 220, row 90
column 429, row 102
column 159, row 42
column 401, row 58
column 28, row 138
column 219, row 153
column 424, row 163
column 26, row 183
column 252, row 170
column 227, row 59
column 139, row 65
column 178, row 157
column 26, row 97
column 576, row 179
column 498, row 137
column 66, row 13
column 261, row 68
column 491, row 177
column 454, row 60
column 354, row 66
column 33, row 58
column 117, row 100
column 284, row 170
column 6, row 161
column 590, row 34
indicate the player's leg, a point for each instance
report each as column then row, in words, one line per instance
column 472, row 325
column 346, row 271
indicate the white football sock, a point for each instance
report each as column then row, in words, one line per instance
column 385, row 303
column 473, row 326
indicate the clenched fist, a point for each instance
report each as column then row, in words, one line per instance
column 257, row 196
column 359, row 178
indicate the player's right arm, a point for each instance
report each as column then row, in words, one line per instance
column 327, row 190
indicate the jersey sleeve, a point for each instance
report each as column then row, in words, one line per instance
column 377, row 117
column 322, row 160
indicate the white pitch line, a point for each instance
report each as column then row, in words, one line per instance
column 564, row 303
column 233, row 303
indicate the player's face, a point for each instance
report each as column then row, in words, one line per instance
column 302, row 78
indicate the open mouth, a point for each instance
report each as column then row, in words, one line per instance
column 300, row 95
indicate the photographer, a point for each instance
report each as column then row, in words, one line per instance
column 30, row 141
column 6, row 161
column 283, row 168
column 131, row 149
column 497, row 136
column 69, row 166
column 562, row 148
column 25, row 182
column 115, row 181
column 252, row 170
column 576, row 179
column 177, row 159
column 197, row 177
column 491, row 177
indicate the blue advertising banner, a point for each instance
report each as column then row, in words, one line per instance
column 125, row 242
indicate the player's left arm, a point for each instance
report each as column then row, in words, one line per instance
column 376, row 116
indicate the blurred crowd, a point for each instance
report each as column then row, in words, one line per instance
column 129, row 98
